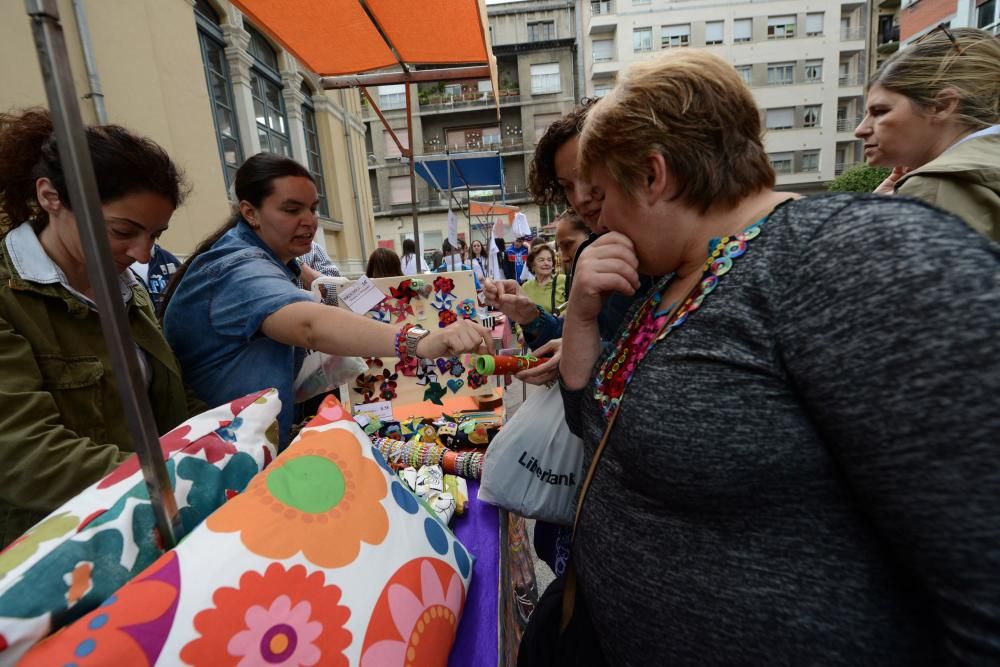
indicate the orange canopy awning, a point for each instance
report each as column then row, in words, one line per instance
column 339, row 37
column 486, row 210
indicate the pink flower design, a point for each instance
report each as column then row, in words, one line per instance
column 424, row 622
column 281, row 633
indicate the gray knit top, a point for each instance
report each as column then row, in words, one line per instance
column 807, row 471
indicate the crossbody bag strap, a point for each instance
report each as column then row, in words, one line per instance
column 555, row 279
column 569, row 587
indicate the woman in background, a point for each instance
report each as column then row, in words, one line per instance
column 409, row 259
column 934, row 116
column 383, row 263
column 547, row 289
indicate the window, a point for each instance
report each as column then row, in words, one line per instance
column 399, row 189
column 268, row 102
column 745, row 71
column 641, row 2
column 542, row 122
column 814, row 70
column 673, row 36
column 742, row 30
column 814, row 24
column 541, row 31
column 986, row 14
column 601, row 7
column 220, row 90
column 604, row 50
column 780, row 74
column 810, row 161
column 391, row 150
column 545, row 79
column 811, row 116
column 843, row 73
column 602, row 90
column 781, row 27
column 714, row 32
column 315, row 160
column 642, row 39
column 780, row 119
column 394, row 96
column 780, row 162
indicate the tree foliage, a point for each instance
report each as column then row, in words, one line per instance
column 860, row 178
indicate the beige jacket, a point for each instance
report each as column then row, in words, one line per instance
column 964, row 180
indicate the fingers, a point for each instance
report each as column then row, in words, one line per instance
column 467, row 336
column 551, row 348
column 542, row 373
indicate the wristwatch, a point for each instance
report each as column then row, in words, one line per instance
column 413, row 336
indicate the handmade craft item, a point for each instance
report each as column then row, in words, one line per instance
column 415, row 453
column 507, row 365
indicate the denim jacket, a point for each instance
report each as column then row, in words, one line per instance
column 62, row 423
column 213, row 322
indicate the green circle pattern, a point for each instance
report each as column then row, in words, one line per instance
column 311, row 484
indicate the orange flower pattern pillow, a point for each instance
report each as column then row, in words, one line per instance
column 325, row 559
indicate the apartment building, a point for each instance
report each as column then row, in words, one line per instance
column 805, row 63
column 200, row 79
column 535, row 45
column 917, row 17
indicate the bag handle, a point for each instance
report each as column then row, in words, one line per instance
column 555, row 277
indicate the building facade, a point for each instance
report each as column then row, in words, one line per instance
column 207, row 85
column 805, row 63
column 917, row 17
column 535, row 46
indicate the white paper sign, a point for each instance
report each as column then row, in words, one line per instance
column 362, row 296
column 380, row 409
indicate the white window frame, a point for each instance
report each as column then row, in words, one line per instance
column 719, row 27
column 779, row 159
column 814, row 24
column 675, row 36
column 746, row 73
column 819, row 115
column 642, row 40
column 397, row 186
column 545, row 79
column 772, row 81
column 546, row 28
column 780, row 118
column 604, row 53
column 392, row 96
column 742, row 31
column 814, row 70
column 781, row 27
column 812, row 153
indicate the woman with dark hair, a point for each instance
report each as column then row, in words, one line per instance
column 479, row 260
column 239, row 324
column 409, row 259
column 934, row 116
column 383, row 263
column 548, row 287
column 62, row 424
column 791, row 441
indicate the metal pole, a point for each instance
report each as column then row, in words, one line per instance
column 96, row 93
column 413, row 179
column 74, row 156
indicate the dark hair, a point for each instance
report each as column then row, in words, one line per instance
column 383, row 263
column 253, row 184
column 409, row 247
column 472, row 251
column 575, row 220
column 124, row 164
column 542, row 182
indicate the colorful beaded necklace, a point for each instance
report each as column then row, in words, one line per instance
column 650, row 323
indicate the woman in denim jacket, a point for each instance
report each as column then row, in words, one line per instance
column 239, row 324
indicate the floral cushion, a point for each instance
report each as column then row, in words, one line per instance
column 325, row 559
column 75, row 558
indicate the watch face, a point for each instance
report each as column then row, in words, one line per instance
column 418, row 331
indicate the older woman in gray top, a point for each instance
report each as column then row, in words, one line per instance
column 802, row 465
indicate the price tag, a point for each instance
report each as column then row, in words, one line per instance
column 382, row 410
column 362, row 296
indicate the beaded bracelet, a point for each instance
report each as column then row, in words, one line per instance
column 400, row 344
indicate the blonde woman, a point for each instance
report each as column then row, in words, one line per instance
column 933, row 114
column 799, row 415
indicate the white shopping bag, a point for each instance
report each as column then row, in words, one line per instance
column 322, row 373
column 534, row 465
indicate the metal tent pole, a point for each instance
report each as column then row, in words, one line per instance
column 74, row 156
column 413, row 178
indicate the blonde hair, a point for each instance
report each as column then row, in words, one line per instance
column 970, row 66
column 693, row 109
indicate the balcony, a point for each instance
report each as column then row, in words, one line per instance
column 853, row 79
column 840, row 167
column 848, row 124
column 465, row 101
column 888, row 39
column 506, row 145
column 852, row 33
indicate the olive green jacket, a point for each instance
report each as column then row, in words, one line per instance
column 964, row 180
column 62, row 424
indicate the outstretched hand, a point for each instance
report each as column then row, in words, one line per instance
column 464, row 336
column 508, row 297
column 548, row 371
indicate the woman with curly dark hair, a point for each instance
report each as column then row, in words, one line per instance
column 62, row 423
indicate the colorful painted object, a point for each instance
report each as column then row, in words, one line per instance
column 507, row 365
